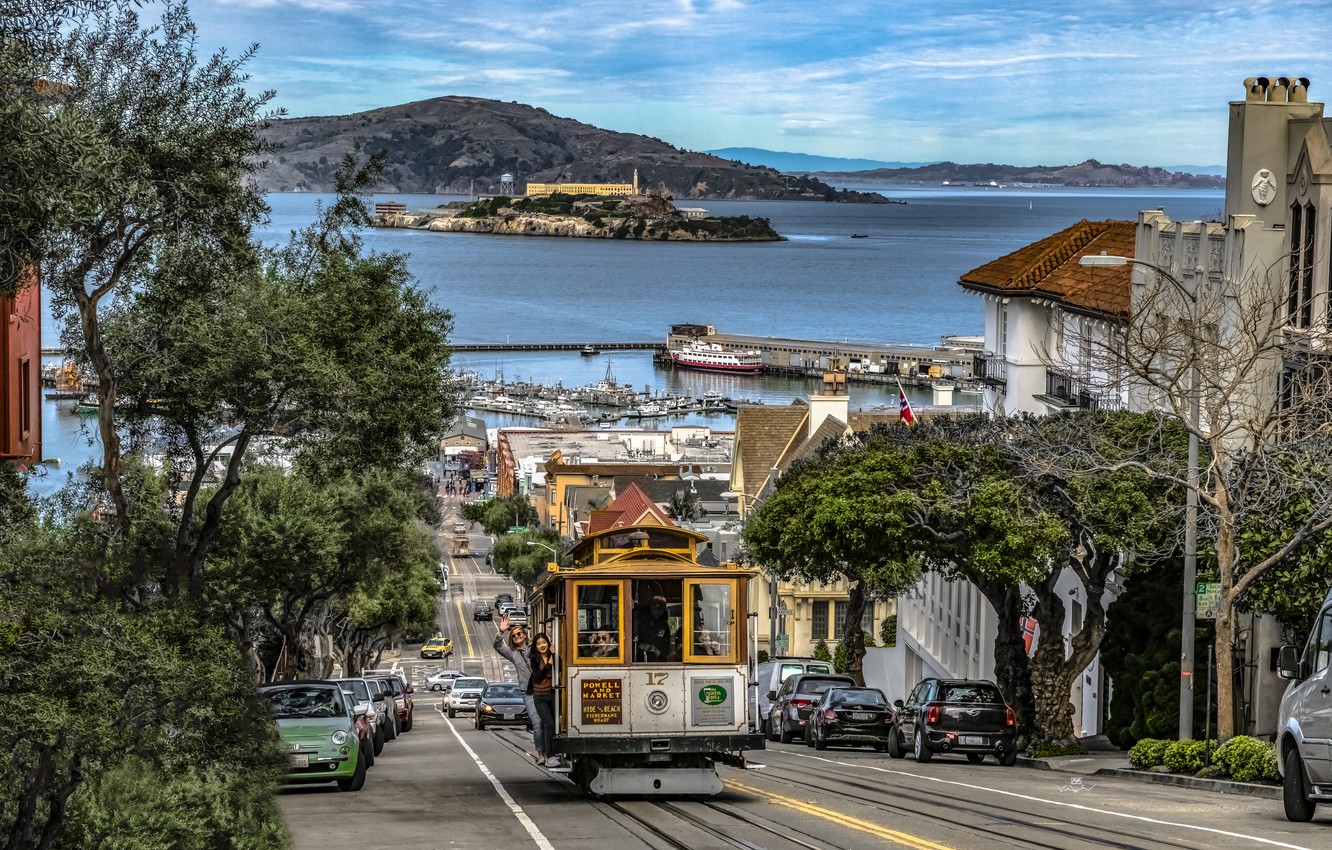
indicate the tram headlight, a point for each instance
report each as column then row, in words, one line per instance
column 657, row 702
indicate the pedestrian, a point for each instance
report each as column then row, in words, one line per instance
column 513, row 645
column 544, row 665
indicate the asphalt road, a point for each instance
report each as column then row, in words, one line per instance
column 447, row 785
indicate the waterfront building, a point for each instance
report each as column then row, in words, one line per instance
column 1048, row 317
column 468, row 434
column 613, row 190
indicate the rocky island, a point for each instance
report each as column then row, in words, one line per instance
column 646, row 217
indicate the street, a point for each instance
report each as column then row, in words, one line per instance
column 445, row 785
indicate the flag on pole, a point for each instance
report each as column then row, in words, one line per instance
column 908, row 417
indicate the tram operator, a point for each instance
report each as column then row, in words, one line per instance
column 652, row 630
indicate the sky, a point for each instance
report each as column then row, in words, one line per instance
column 1019, row 82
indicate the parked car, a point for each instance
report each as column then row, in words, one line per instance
column 771, row 675
column 381, row 693
column 464, row 694
column 359, row 690
column 402, row 696
column 967, row 716
column 517, row 616
column 850, row 716
column 1304, row 724
column 501, row 703
column 481, row 611
column 503, row 597
column 442, row 679
column 791, row 706
column 437, row 647
column 316, row 723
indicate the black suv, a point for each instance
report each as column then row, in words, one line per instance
column 792, row 705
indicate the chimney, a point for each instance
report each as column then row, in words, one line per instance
column 832, row 400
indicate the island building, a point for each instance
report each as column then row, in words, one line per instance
column 536, row 190
column 1049, row 317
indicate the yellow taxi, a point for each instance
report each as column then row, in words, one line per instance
column 437, row 647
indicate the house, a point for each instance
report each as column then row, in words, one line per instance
column 467, row 434
column 768, row 439
column 20, row 371
column 1047, row 315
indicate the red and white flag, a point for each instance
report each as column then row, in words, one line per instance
column 908, row 416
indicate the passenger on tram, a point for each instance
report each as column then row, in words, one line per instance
column 652, row 630
column 545, row 665
column 513, row 645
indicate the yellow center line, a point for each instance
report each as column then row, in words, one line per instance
column 467, row 632
column 845, row 820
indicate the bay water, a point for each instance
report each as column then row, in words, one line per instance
column 896, row 285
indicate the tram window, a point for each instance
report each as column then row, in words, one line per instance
column 710, row 630
column 657, row 620
column 599, row 620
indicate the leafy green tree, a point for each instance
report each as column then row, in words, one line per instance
column 513, row 557
column 497, row 516
column 821, row 651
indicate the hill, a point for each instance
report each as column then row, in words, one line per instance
column 1086, row 174
column 460, row 145
column 805, row 163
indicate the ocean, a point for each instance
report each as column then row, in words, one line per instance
column 899, row 284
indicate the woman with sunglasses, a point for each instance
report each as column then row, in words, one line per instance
column 512, row 644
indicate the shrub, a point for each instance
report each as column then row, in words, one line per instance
column 888, row 630
column 1050, row 749
column 1148, row 753
column 1190, row 756
column 1248, row 759
column 821, row 651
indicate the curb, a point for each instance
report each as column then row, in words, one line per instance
column 1221, row 786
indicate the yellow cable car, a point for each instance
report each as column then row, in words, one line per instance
column 658, row 658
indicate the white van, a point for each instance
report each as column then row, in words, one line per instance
column 1304, row 731
column 772, row 673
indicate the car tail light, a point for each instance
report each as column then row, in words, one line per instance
column 797, row 702
column 932, row 715
column 830, row 715
column 1009, row 718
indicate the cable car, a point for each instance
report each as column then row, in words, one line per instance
column 658, row 655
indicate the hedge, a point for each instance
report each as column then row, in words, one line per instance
column 1242, row 758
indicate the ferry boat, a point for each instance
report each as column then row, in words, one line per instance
column 711, row 357
column 590, row 351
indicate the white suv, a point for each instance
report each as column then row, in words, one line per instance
column 1304, row 731
column 517, row 616
column 464, row 694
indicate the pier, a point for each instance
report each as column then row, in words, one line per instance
column 557, row 346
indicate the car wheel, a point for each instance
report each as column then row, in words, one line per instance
column 783, row 734
column 1294, row 793
column 407, row 727
column 820, row 742
column 392, row 726
column 1009, row 758
column 920, row 749
column 772, row 730
column 356, row 781
column 480, row 725
column 975, row 758
column 379, row 740
column 810, row 736
column 368, row 751
column 452, row 713
column 895, row 743
column 436, row 687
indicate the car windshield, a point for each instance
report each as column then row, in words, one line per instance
column 469, row 683
column 505, row 690
column 304, row 702
column 818, row 686
column 859, row 696
column 971, row 694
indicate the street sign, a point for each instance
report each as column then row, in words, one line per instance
column 1209, row 599
column 517, row 529
column 783, row 644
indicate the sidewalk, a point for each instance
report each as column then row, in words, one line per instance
column 1102, row 759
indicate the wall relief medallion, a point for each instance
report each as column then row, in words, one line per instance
column 1264, row 187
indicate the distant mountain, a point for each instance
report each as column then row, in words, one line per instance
column 459, row 145
column 1219, row 170
column 804, row 163
column 1090, row 173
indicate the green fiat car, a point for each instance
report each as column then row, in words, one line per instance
column 316, row 722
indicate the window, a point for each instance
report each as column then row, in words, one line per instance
column 25, row 398
column 1002, row 347
column 657, row 622
column 711, row 620
column 599, row 622
column 867, row 619
column 1319, row 650
column 1299, row 287
column 839, row 618
column 818, row 628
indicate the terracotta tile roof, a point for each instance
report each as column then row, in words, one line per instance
column 1050, row 268
column 631, row 506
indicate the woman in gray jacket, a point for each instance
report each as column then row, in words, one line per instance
column 513, row 645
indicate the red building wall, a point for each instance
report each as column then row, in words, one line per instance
column 21, row 374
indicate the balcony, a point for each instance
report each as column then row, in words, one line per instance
column 1066, row 390
column 991, row 369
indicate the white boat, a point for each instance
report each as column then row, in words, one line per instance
column 711, row 357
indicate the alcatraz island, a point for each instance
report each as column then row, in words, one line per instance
column 580, row 210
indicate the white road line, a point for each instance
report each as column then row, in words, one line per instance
column 517, row 810
column 1143, row 818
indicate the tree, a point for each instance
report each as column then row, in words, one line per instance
column 497, row 516
column 1222, row 358
column 513, row 557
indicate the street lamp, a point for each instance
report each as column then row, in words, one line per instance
column 548, row 548
column 1186, row 649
